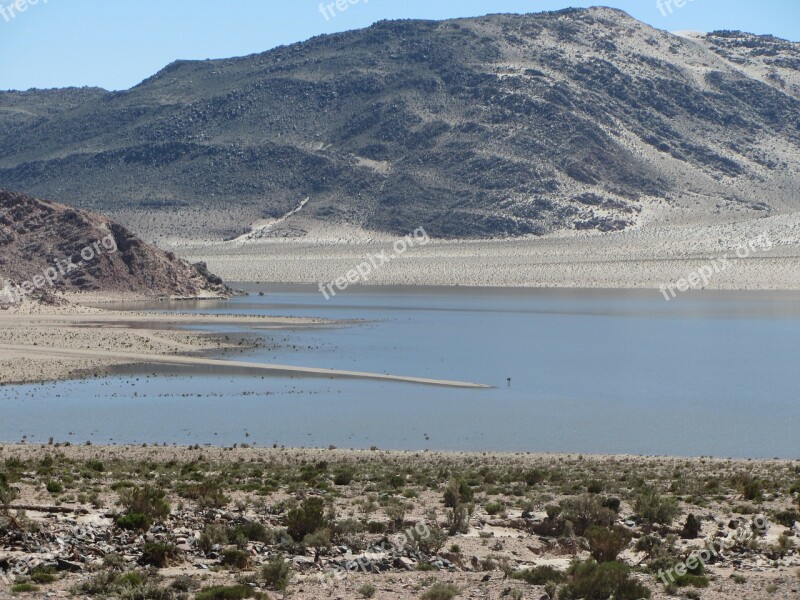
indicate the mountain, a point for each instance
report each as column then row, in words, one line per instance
column 47, row 247
column 497, row 126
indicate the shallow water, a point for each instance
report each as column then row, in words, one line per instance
column 591, row 371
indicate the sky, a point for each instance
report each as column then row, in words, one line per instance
column 115, row 44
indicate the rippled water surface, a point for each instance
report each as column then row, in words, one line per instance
column 591, row 371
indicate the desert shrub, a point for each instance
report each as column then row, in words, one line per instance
column 458, row 519
column 691, row 529
column 235, row 558
column 159, row 554
column 431, row 543
column 24, row 588
column 605, row 544
column 458, row 492
column 590, row 580
column 367, row 590
column 213, row 535
column 594, row 487
column 494, row 508
column 54, row 487
column 612, row 504
column 534, row 477
column 134, row 522
column 441, row 591
column 147, row 500
column 343, row 476
column 689, row 580
column 376, row 527
column 43, row 575
column 539, row 575
column 396, row 511
column 584, row 512
column 787, row 518
column 306, row 518
column 276, row 574
column 654, row 508
column 751, row 487
column 236, row 592
column 207, row 494
column 250, row 530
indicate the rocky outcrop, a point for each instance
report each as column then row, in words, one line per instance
column 47, row 248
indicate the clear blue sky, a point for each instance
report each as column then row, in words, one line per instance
column 117, row 43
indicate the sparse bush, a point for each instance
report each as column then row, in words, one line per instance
column 540, row 575
column 441, row 591
column 606, row 544
column 307, row 518
column 134, row 522
column 367, row 590
column 590, row 580
column 160, row 555
column 277, row 574
column 458, row 492
column 147, row 500
column 235, row 558
column 584, row 512
column 236, row 592
column 654, row 508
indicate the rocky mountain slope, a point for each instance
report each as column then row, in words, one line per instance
column 47, row 247
column 496, row 126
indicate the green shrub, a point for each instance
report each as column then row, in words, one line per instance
column 605, row 544
column 787, row 518
column 159, row 554
column 539, row 575
column 277, row 574
column 687, row 580
column 441, row 591
column 367, row 590
column 458, row 492
column 494, row 508
column 590, row 580
column 654, row 508
column 235, row 592
column 134, row 522
column 235, row 558
column 54, row 487
column 147, row 500
column 250, row 530
column 42, row 576
column 306, row 518
column 584, row 512
column 343, row 477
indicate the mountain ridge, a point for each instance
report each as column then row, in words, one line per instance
column 495, row 126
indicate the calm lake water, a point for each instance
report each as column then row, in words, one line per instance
column 708, row 373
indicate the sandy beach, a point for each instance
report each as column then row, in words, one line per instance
column 46, row 343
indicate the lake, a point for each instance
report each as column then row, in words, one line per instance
column 708, row 373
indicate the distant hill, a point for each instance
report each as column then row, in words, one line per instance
column 496, row 126
column 50, row 247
